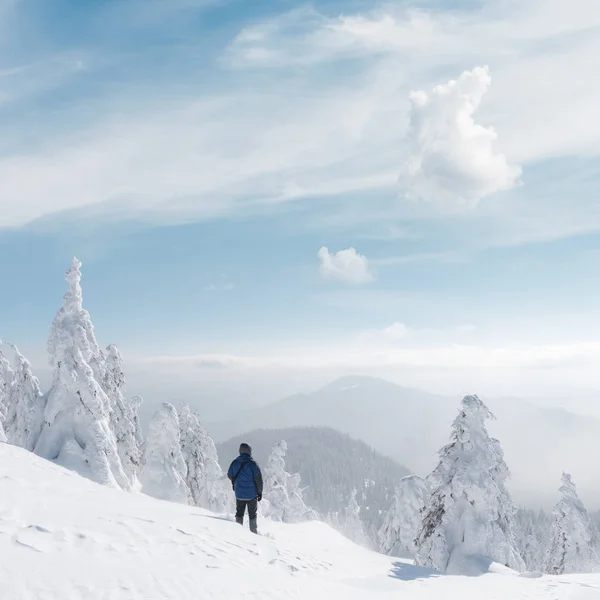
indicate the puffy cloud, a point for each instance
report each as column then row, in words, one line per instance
column 452, row 160
column 345, row 265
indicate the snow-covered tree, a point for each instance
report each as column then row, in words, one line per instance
column 76, row 431
column 124, row 416
column 7, row 376
column 402, row 522
column 468, row 519
column 204, row 474
column 24, row 406
column 348, row 522
column 532, row 532
column 283, row 499
column 164, row 470
column 276, row 501
column 572, row 546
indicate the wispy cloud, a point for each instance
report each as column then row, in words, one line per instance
column 251, row 139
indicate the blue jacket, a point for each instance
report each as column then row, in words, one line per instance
column 246, row 478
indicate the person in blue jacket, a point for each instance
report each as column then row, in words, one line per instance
column 247, row 482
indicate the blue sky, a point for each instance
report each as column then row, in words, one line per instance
column 196, row 155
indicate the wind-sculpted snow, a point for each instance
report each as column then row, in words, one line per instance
column 63, row 537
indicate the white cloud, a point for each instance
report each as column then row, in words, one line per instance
column 345, row 265
column 452, row 160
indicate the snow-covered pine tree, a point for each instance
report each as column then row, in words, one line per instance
column 532, row 532
column 76, row 431
column 572, row 546
column 283, row 499
column 468, row 520
column 7, row 376
column 402, row 522
column 164, row 471
column 25, row 405
column 204, row 474
column 124, row 416
column 276, row 502
column 350, row 524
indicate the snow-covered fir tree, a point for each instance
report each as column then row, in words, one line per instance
column 164, row 471
column 204, row 476
column 532, row 533
column 348, row 522
column 24, row 406
column 76, row 431
column 469, row 517
column 398, row 532
column 7, row 376
column 124, row 416
column 275, row 500
column 283, row 499
column 572, row 545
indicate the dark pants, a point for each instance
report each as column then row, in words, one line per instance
column 240, row 506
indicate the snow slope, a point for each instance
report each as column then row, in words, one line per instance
column 63, row 537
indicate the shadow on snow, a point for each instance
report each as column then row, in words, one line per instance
column 408, row 572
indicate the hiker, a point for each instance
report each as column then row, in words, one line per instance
column 246, row 479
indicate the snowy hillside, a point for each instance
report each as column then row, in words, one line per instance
column 64, row 537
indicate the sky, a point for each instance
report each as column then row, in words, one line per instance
column 269, row 194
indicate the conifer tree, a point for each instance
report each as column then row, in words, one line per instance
column 6, row 380
column 204, row 474
column 469, row 517
column 398, row 532
column 76, row 431
column 164, row 471
column 124, row 417
column 283, row 499
column 572, row 546
column 25, row 405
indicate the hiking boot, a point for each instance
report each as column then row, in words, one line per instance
column 253, row 527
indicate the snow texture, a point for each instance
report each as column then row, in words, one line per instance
column 572, row 546
column 468, row 521
column 164, row 471
column 204, row 476
column 402, row 522
column 76, row 431
column 25, row 405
